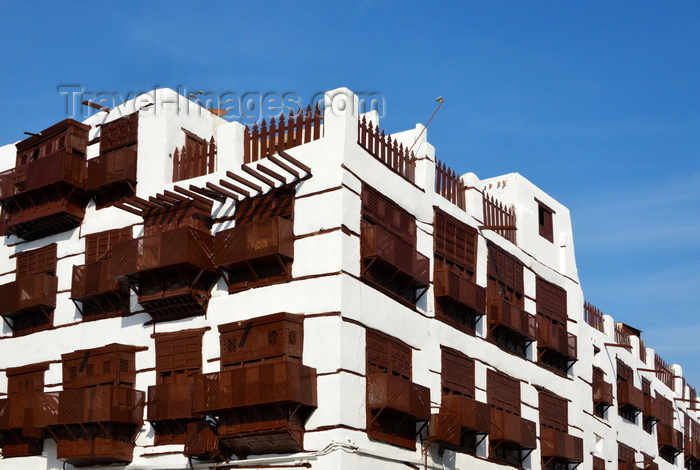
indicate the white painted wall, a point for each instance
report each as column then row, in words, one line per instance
column 335, row 343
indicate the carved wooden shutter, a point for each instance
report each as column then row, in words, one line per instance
column 119, row 133
column 388, row 355
column 39, row 261
column 98, row 246
column 554, row 411
column 624, row 372
column 382, row 211
column 503, row 392
column 455, row 241
column 505, row 268
column 457, row 373
column 551, row 301
column 178, row 356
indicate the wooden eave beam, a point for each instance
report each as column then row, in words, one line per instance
column 192, row 194
column 272, row 173
column 256, row 174
column 207, row 193
column 616, row 345
column 294, row 161
column 220, row 190
column 280, row 163
column 240, row 179
column 234, row 187
column 124, row 207
column 498, row 227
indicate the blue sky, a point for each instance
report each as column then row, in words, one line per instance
column 595, row 102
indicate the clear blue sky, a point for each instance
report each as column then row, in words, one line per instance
column 595, row 102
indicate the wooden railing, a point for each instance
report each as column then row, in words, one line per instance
column 267, row 139
column 387, row 150
column 499, row 218
column 622, row 336
column 449, row 185
column 664, row 371
column 593, row 316
column 194, row 160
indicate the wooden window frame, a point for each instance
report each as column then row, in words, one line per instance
column 545, row 218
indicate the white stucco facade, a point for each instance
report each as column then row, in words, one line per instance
column 326, row 287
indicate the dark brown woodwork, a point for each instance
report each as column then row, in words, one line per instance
column 457, row 415
column 559, row 445
column 386, row 149
column 499, row 218
column 512, row 429
column 172, row 272
column 449, row 185
column 45, row 193
column 629, row 396
column 272, row 338
column 256, row 253
column 504, row 314
column 266, row 139
column 112, row 176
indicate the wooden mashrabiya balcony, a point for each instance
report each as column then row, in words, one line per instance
column 172, row 272
column 262, row 408
column 602, row 392
column 514, row 319
column 456, row 287
column 629, row 396
column 513, row 429
column 45, row 193
column 395, row 256
column 555, row 338
column 458, row 414
column 560, row 445
column 33, row 293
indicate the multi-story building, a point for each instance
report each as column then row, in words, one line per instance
column 180, row 291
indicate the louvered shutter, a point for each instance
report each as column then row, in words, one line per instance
column 457, row 373
column 98, row 246
column 503, row 392
column 505, row 268
column 39, row 261
column 551, row 301
column 455, row 241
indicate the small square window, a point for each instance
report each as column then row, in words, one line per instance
column 545, row 216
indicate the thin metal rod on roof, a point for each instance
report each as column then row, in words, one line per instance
column 439, row 100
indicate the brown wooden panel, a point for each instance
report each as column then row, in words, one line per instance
column 551, row 301
column 625, row 454
column 119, row 133
column 457, row 373
column 27, row 382
column 178, row 355
column 624, row 372
column 503, row 392
column 382, row 211
column 98, row 246
column 113, row 364
column 386, row 354
column 455, row 241
column 554, row 411
column 185, row 214
column 272, row 337
column 505, row 268
column 39, row 261
column 277, row 203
